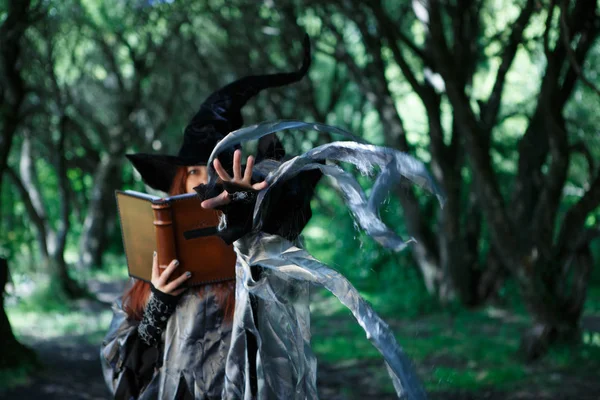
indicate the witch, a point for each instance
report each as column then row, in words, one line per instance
column 249, row 338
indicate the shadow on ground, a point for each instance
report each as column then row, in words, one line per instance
column 72, row 370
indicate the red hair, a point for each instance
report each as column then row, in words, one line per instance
column 136, row 297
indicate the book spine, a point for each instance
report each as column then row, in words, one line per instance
column 165, row 236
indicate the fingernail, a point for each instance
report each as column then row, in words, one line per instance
column 154, row 254
column 176, row 262
column 188, row 274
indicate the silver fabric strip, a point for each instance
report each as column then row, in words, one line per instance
column 394, row 166
column 290, row 268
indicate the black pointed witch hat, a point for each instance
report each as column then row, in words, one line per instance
column 219, row 114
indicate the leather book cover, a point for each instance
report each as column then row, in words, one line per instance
column 150, row 223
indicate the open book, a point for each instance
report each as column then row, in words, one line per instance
column 176, row 227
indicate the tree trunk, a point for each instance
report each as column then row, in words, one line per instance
column 11, row 32
column 552, row 274
column 373, row 85
column 101, row 208
column 51, row 242
column 13, row 353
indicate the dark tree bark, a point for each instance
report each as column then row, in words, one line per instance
column 532, row 238
column 524, row 238
column 51, row 241
column 101, row 210
column 107, row 175
column 373, row 85
column 12, row 88
column 13, row 354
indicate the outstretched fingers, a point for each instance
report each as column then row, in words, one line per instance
column 220, row 170
column 244, row 181
column 217, row 201
column 260, row 185
column 248, row 171
column 237, row 165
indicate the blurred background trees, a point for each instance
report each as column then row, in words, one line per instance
column 500, row 98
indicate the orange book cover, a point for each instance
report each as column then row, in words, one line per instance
column 151, row 223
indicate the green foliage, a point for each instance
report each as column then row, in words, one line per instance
column 113, row 269
column 467, row 350
column 389, row 280
column 592, row 304
column 45, row 297
column 14, row 377
column 48, row 324
column 130, row 74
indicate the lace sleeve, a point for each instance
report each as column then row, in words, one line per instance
column 158, row 310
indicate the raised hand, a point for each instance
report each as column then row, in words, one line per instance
column 239, row 180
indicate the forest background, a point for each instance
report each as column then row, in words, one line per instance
column 500, row 295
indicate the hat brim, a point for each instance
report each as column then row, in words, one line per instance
column 157, row 170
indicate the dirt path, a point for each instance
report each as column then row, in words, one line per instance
column 72, row 371
column 70, row 364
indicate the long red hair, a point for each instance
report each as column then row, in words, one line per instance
column 136, row 297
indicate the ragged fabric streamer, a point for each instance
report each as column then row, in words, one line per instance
column 266, row 349
column 283, row 328
column 394, row 166
column 281, row 323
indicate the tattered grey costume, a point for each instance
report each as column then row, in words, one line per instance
column 211, row 357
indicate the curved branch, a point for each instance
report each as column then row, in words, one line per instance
column 581, row 147
column 37, row 220
column 378, row 9
column 574, row 220
column 392, row 36
column 493, row 104
column 566, row 38
column 63, row 189
column 548, row 24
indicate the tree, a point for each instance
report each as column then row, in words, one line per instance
column 14, row 354
column 535, row 234
column 541, row 252
column 20, row 15
column 133, row 98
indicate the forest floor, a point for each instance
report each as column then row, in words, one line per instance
column 349, row 367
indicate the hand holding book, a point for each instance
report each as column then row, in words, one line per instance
column 160, row 279
column 151, row 223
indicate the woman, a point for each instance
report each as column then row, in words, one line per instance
column 168, row 343
column 193, row 347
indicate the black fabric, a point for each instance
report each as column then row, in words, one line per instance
column 158, row 310
column 219, row 115
column 238, row 212
column 183, row 392
column 269, row 146
column 288, row 206
column 144, row 356
column 166, row 298
column 157, row 171
column 140, row 364
column 137, row 369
